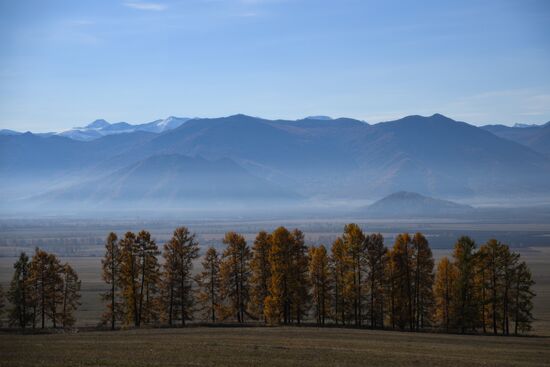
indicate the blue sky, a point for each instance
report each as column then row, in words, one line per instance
column 66, row 63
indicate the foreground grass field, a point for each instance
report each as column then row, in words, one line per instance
column 278, row 346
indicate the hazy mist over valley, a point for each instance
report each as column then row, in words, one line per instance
column 248, row 166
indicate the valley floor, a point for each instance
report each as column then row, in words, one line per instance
column 276, row 346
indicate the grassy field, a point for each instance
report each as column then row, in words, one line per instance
column 278, row 346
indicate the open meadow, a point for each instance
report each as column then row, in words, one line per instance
column 265, row 346
column 271, row 346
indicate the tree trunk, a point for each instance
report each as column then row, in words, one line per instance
column 143, row 259
column 212, row 293
column 483, row 301
column 43, row 294
column 64, row 315
column 171, row 303
column 182, row 291
column 113, row 279
column 516, row 316
column 494, row 300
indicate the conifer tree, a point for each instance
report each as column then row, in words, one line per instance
column 403, row 276
column 235, row 275
column 320, row 281
column 19, row 294
column 110, row 275
column 146, row 252
column 509, row 265
column 179, row 254
column 54, row 289
column 278, row 302
column 341, row 274
column 38, row 285
column 46, row 285
column 209, row 283
column 423, row 281
column 490, row 276
column 444, row 292
column 260, row 273
column 481, row 284
column 299, row 276
column 71, row 296
column 354, row 241
column 129, row 279
column 467, row 312
column 523, row 294
column 376, row 258
column 391, row 288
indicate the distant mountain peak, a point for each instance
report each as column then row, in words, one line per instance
column 405, row 195
column 171, row 120
column 241, row 116
column 97, row 124
column 440, row 117
column 319, row 117
column 9, row 132
column 521, row 125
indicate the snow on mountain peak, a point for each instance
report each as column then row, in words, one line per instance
column 97, row 124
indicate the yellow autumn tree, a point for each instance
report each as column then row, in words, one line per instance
column 260, row 273
column 423, row 270
column 376, row 258
column 209, row 285
column 129, row 279
column 278, row 302
column 177, row 278
column 444, row 293
column 403, row 276
column 111, row 276
column 235, row 276
column 299, row 281
column 319, row 276
column 354, row 241
column 341, row 279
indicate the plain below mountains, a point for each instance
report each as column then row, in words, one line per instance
column 317, row 158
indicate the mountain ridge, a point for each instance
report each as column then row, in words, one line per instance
column 318, row 159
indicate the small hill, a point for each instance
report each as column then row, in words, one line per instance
column 404, row 204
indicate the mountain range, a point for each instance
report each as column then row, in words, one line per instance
column 237, row 158
column 100, row 128
column 537, row 137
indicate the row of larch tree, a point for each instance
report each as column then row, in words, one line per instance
column 489, row 289
column 279, row 280
column 356, row 282
column 43, row 292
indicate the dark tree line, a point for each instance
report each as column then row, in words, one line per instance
column 43, row 292
column 487, row 289
column 357, row 282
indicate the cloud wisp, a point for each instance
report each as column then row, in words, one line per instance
column 145, row 6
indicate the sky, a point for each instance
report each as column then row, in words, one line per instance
column 65, row 63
